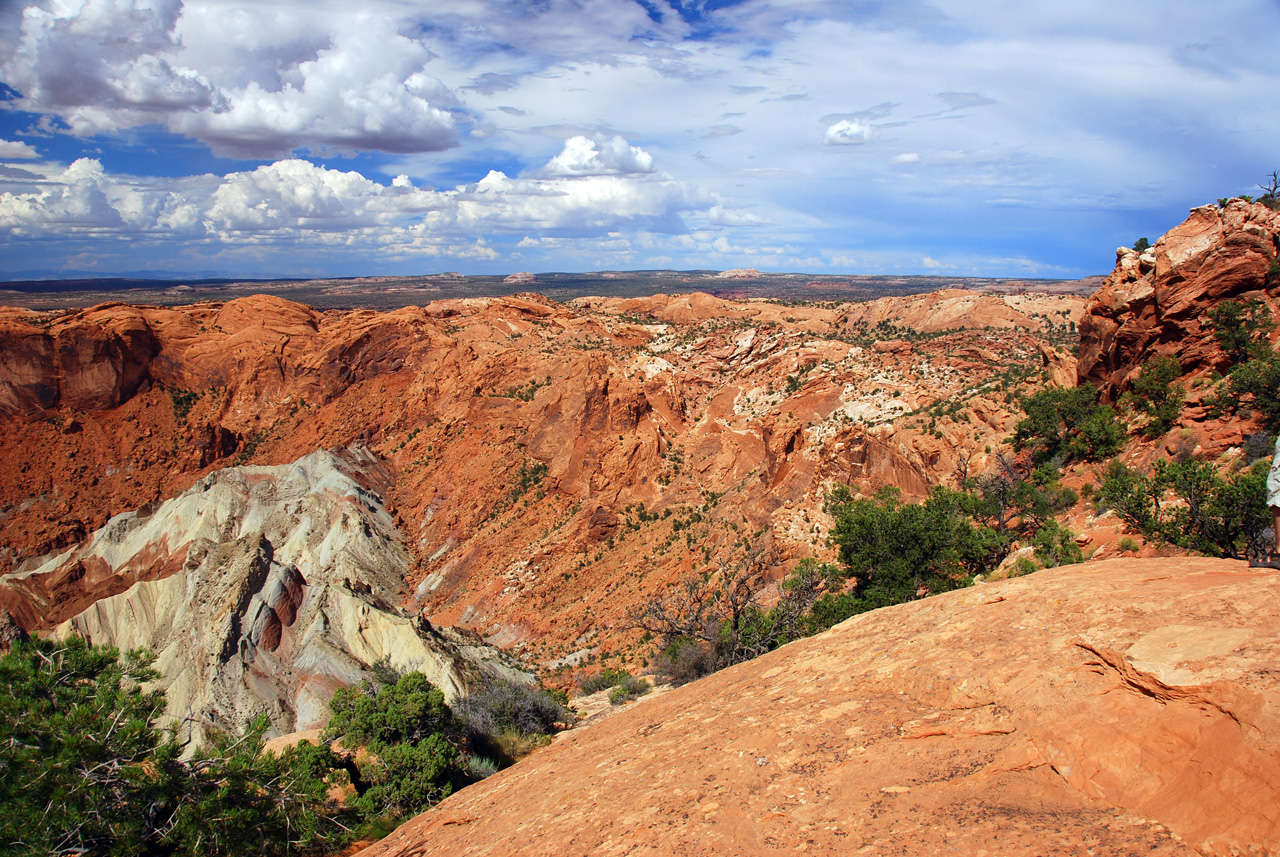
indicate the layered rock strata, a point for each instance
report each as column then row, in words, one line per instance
column 260, row 589
column 554, row 465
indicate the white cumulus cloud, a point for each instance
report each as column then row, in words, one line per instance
column 250, row 79
column 16, row 150
column 297, row 200
column 847, row 132
column 601, row 156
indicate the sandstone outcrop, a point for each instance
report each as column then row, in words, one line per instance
column 1124, row 707
column 1156, row 302
column 259, row 589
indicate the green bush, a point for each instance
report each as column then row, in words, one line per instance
column 628, row 689
column 1055, row 545
column 1253, row 386
column 1155, row 394
column 404, row 711
column 85, row 771
column 896, row 550
column 1242, row 329
column 1068, row 425
column 407, row 777
column 602, row 680
column 1191, row 505
column 1142, row 245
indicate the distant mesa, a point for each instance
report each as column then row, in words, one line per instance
column 738, row 274
column 521, row 278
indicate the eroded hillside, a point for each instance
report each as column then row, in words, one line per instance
column 551, row 465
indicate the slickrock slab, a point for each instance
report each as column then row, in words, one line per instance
column 1121, row 707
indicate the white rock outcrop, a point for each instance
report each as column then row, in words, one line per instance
column 287, row 590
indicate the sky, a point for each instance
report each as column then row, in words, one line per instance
column 302, row 138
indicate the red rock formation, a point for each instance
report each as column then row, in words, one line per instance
column 1156, row 302
column 1125, row 707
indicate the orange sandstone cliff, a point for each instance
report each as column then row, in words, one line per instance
column 1155, row 302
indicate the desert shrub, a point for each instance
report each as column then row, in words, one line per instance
column 1155, row 394
column 629, row 688
column 706, row 623
column 1015, row 496
column 480, row 767
column 623, row 685
column 1142, row 245
column 1055, row 545
column 1253, row 386
column 1068, row 425
column 1128, row 493
column 896, row 550
column 602, row 680
column 408, row 777
column 1191, row 505
column 685, row 659
column 1257, row 446
column 832, row 609
column 1126, row 545
column 183, row 401
column 1242, row 329
column 1271, row 191
column 506, row 705
column 405, row 711
column 1023, row 566
column 409, row 734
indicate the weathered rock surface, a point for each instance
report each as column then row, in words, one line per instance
column 1115, row 708
column 1157, row 302
column 259, row 589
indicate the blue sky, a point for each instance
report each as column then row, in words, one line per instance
column 313, row 137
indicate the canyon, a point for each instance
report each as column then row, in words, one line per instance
column 549, row 466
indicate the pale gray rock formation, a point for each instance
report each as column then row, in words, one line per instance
column 287, row 590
